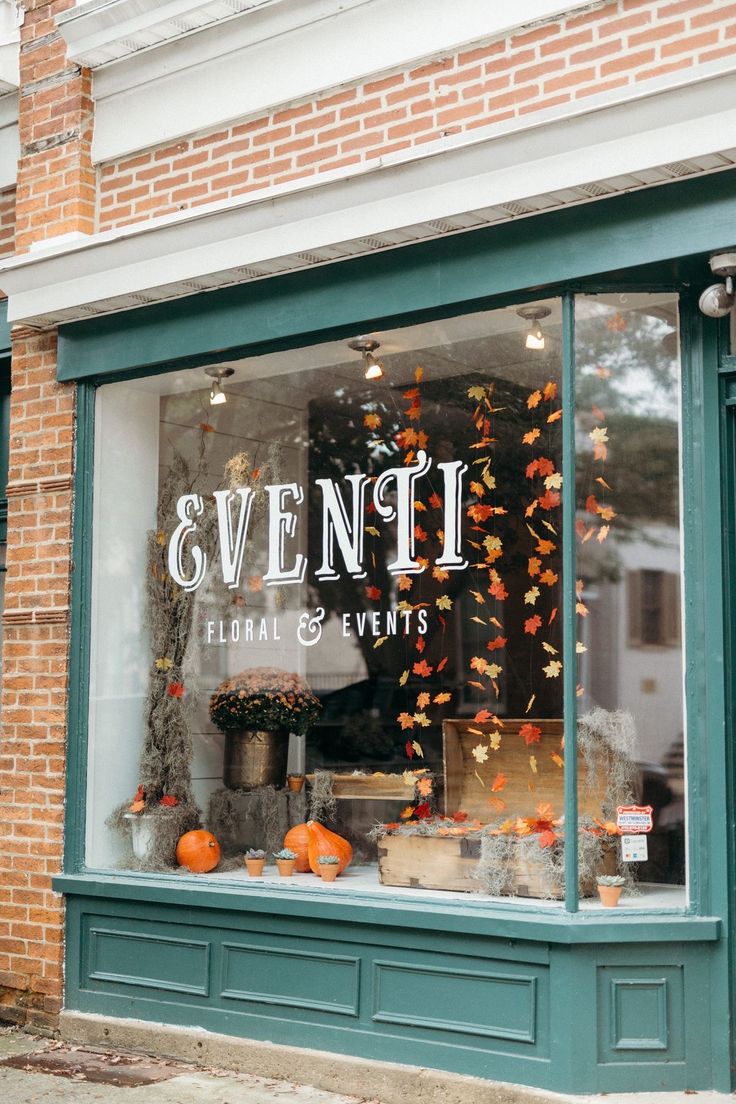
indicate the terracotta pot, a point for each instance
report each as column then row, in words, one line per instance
column 286, row 867
column 328, row 873
column 255, row 867
column 295, row 782
column 609, row 895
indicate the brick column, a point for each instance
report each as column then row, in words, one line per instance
column 55, row 196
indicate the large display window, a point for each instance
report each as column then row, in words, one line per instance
column 330, row 598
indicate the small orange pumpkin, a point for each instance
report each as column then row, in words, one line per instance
column 199, row 851
column 297, row 840
column 324, row 842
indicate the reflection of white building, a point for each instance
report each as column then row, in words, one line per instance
column 633, row 659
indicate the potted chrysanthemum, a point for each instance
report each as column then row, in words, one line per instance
column 257, row 710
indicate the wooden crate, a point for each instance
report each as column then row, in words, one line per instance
column 369, row 787
column 442, row 862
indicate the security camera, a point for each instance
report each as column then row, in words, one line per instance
column 716, row 301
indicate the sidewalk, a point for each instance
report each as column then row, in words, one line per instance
column 46, row 1072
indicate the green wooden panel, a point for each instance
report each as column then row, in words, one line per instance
column 612, row 1018
column 146, row 960
column 499, row 1005
column 457, row 273
column 641, row 1014
column 293, row 978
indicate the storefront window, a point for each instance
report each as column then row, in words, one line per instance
column 327, row 607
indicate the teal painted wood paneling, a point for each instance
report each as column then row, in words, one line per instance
column 458, row 273
column 609, row 1018
column 500, row 1005
column 641, row 1014
column 147, row 960
column 290, row 978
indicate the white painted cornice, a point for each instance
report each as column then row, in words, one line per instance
column 490, row 176
column 165, row 70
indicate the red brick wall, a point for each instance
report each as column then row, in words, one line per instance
column 621, row 43
column 55, row 194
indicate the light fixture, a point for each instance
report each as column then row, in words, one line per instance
column 719, row 299
column 535, row 337
column 367, row 346
column 217, row 374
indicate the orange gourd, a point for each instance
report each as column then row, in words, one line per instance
column 324, row 842
column 199, row 851
column 297, row 840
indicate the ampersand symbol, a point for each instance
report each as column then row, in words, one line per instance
column 309, row 629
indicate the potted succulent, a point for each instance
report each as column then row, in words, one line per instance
column 609, row 889
column 255, row 860
column 329, row 867
column 285, row 860
column 257, row 710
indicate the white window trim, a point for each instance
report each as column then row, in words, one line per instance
column 165, row 70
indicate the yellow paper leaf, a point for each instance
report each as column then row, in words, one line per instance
column 381, row 640
column 530, row 703
column 533, row 763
column 480, row 753
column 553, row 668
column 404, row 678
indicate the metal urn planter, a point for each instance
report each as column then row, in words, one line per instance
column 255, row 758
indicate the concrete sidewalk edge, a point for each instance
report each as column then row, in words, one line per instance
column 388, row 1082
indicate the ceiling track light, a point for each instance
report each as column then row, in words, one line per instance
column 367, row 346
column 217, row 374
column 532, row 315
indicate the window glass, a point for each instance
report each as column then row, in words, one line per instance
column 629, row 556
column 327, row 617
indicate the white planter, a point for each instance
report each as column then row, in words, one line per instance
column 142, row 833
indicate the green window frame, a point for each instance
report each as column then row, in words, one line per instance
column 453, row 277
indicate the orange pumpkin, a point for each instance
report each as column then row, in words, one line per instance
column 324, row 842
column 199, row 851
column 297, row 840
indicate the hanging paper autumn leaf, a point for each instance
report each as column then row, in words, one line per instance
column 549, row 648
column 169, row 801
column 441, row 698
column 482, row 716
column 550, row 391
column 495, row 740
column 553, row 668
column 440, row 574
column 476, row 393
column 442, row 664
column 530, row 733
column 533, row 763
column 599, row 437
column 530, row 703
column 498, row 783
column 535, row 566
column 420, row 534
column 406, row 720
column 443, row 602
column 423, row 700
column 531, row 595
column 617, row 324
column 602, row 533
column 533, row 624
column 405, row 582
column 422, row 669
column 373, row 593
column 420, row 644
column 553, row 481
column 164, row 663
column 480, row 753
column 424, row 787
column 549, row 500
column 545, row 547
column 555, row 416
column 371, row 421
column 175, row 689
column 435, row 501
column 534, row 399
column 498, row 590
column 548, row 578
column 417, row 748
column 422, row 719
column 557, row 759
column 403, row 678
column 498, row 642
column 407, row 812
column 380, row 642
column 530, row 437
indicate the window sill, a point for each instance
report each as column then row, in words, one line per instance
column 539, row 921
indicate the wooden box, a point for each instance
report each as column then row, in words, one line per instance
column 369, row 787
column 442, row 862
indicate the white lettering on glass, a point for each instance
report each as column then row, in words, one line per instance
column 231, row 551
column 404, row 479
column 337, row 528
column 452, row 558
column 188, row 505
column 282, row 524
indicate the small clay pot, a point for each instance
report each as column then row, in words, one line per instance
column 255, row 867
column 609, row 895
column 286, row 867
column 295, row 782
column 329, row 871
